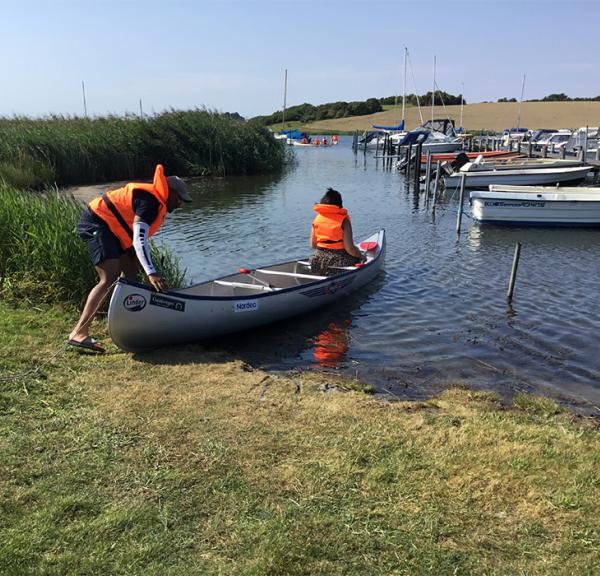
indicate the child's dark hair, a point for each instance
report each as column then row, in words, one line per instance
column 332, row 197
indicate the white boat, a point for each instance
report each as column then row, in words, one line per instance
column 480, row 164
column 476, row 178
column 537, row 205
column 139, row 318
column 432, row 141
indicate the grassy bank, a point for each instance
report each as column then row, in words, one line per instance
column 42, row 259
column 186, row 461
column 71, row 150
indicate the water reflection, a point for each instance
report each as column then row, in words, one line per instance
column 331, row 345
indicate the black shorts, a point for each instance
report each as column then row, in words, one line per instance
column 101, row 242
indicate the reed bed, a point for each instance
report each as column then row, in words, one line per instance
column 66, row 150
column 42, row 259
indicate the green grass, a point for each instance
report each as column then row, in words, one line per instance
column 42, row 258
column 72, row 150
column 185, row 461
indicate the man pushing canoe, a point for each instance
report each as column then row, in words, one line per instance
column 116, row 227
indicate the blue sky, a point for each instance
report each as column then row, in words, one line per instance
column 231, row 55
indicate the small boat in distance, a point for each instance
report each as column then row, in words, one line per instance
column 139, row 318
column 537, row 206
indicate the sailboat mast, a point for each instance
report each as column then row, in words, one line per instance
column 462, row 103
column 520, row 103
column 284, row 99
column 404, row 87
column 433, row 93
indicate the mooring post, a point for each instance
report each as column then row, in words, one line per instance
column 427, row 176
column 438, row 166
column 355, row 140
column 418, row 165
column 529, row 149
column 408, row 164
column 563, row 152
column 545, row 151
column 513, row 272
column 365, row 142
column 463, row 178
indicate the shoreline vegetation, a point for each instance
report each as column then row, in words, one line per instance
column 189, row 461
column 63, row 150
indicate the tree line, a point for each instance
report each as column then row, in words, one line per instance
column 561, row 97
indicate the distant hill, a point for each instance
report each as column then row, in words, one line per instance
column 482, row 116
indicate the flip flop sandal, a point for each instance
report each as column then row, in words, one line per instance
column 88, row 344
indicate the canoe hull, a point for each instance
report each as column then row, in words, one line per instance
column 532, row 177
column 140, row 318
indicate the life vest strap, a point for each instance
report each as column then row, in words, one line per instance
column 117, row 215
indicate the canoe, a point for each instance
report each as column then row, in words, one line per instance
column 139, row 318
column 537, row 206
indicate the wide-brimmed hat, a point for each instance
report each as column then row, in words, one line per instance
column 178, row 185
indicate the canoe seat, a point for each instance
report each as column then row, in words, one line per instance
column 244, row 285
column 292, row 274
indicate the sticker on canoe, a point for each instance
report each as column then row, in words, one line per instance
column 134, row 303
column 166, row 302
column 245, row 306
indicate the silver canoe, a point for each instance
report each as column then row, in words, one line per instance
column 139, row 318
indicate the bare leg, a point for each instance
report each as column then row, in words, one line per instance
column 108, row 271
column 129, row 265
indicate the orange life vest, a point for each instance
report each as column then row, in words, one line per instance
column 116, row 206
column 327, row 226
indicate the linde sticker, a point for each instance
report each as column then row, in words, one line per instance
column 165, row 302
column 134, row 303
column 246, row 306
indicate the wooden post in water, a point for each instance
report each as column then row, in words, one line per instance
column 563, row 152
column 513, row 272
column 463, row 178
column 427, row 176
column 377, row 149
column 436, row 185
column 519, row 146
column 418, row 165
column 545, row 151
column 355, row 140
column 365, row 146
column 409, row 162
column 529, row 149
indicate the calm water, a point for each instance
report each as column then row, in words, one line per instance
column 438, row 315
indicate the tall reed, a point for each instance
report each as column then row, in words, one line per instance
column 41, row 256
column 72, row 150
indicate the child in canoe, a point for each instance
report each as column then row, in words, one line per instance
column 331, row 236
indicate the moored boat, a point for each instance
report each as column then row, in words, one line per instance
column 139, row 318
column 477, row 178
column 537, row 205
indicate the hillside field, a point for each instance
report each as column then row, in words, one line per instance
column 482, row 116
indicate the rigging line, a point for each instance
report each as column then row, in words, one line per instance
column 443, row 103
column 412, row 73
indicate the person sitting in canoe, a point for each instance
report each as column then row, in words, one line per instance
column 116, row 227
column 331, row 236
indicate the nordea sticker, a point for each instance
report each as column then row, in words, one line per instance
column 245, row 306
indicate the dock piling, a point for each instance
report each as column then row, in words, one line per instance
column 513, row 272
column 463, row 178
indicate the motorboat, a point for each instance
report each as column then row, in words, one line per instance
column 476, row 177
column 537, row 205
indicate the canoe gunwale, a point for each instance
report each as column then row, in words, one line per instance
column 264, row 294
